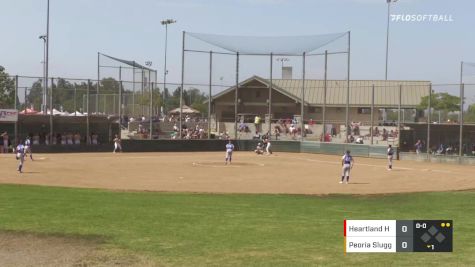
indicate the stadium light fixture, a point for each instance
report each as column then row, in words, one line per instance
column 282, row 60
column 165, row 71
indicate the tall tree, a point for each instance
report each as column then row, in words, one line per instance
column 35, row 95
column 7, row 90
column 441, row 101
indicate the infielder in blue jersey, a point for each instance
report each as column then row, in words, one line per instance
column 20, row 155
column 347, row 163
column 229, row 152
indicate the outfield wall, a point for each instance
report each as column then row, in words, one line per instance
column 218, row 145
column 467, row 160
column 313, row 147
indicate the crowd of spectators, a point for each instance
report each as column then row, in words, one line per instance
column 189, row 133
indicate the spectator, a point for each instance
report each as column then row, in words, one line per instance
column 77, row 139
column 36, row 139
column 257, row 122
column 94, row 139
column 359, row 140
column 418, row 146
column 6, row 142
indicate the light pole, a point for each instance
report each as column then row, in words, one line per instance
column 387, row 36
column 165, row 71
column 45, row 75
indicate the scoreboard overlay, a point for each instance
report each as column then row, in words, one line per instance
column 389, row 236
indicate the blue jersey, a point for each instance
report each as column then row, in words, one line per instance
column 20, row 149
column 390, row 151
column 347, row 159
column 229, row 148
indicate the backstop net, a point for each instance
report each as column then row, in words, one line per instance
column 281, row 87
column 125, row 87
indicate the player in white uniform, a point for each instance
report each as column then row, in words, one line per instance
column 20, row 155
column 28, row 147
column 117, row 145
column 390, row 154
column 268, row 145
column 347, row 163
column 229, row 152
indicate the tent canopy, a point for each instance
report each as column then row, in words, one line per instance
column 186, row 110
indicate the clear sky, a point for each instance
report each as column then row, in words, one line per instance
column 131, row 30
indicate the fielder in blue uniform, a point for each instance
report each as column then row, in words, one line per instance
column 229, row 152
column 20, row 155
column 347, row 164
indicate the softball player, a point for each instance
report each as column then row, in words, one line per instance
column 117, row 145
column 259, row 150
column 268, row 145
column 390, row 157
column 28, row 147
column 229, row 152
column 347, row 164
column 20, row 155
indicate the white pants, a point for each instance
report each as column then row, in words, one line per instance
column 346, row 170
column 117, row 146
column 268, row 150
column 229, row 155
column 390, row 160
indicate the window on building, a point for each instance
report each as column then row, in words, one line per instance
column 258, row 94
column 364, row 110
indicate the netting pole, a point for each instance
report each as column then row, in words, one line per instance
column 209, row 93
column 120, row 95
column 428, row 120
column 142, row 89
column 462, row 94
column 15, row 107
column 75, row 108
column 461, row 109
column 98, row 81
column 133, row 89
column 324, row 96
column 371, row 131
column 347, row 117
column 182, row 80
column 399, row 117
column 120, row 104
column 151, row 105
column 302, row 102
column 270, row 98
column 87, row 109
column 236, row 96
column 51, row 110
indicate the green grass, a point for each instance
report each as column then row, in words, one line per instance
column 235, row 229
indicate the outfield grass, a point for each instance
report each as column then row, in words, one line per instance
column 206, row 229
